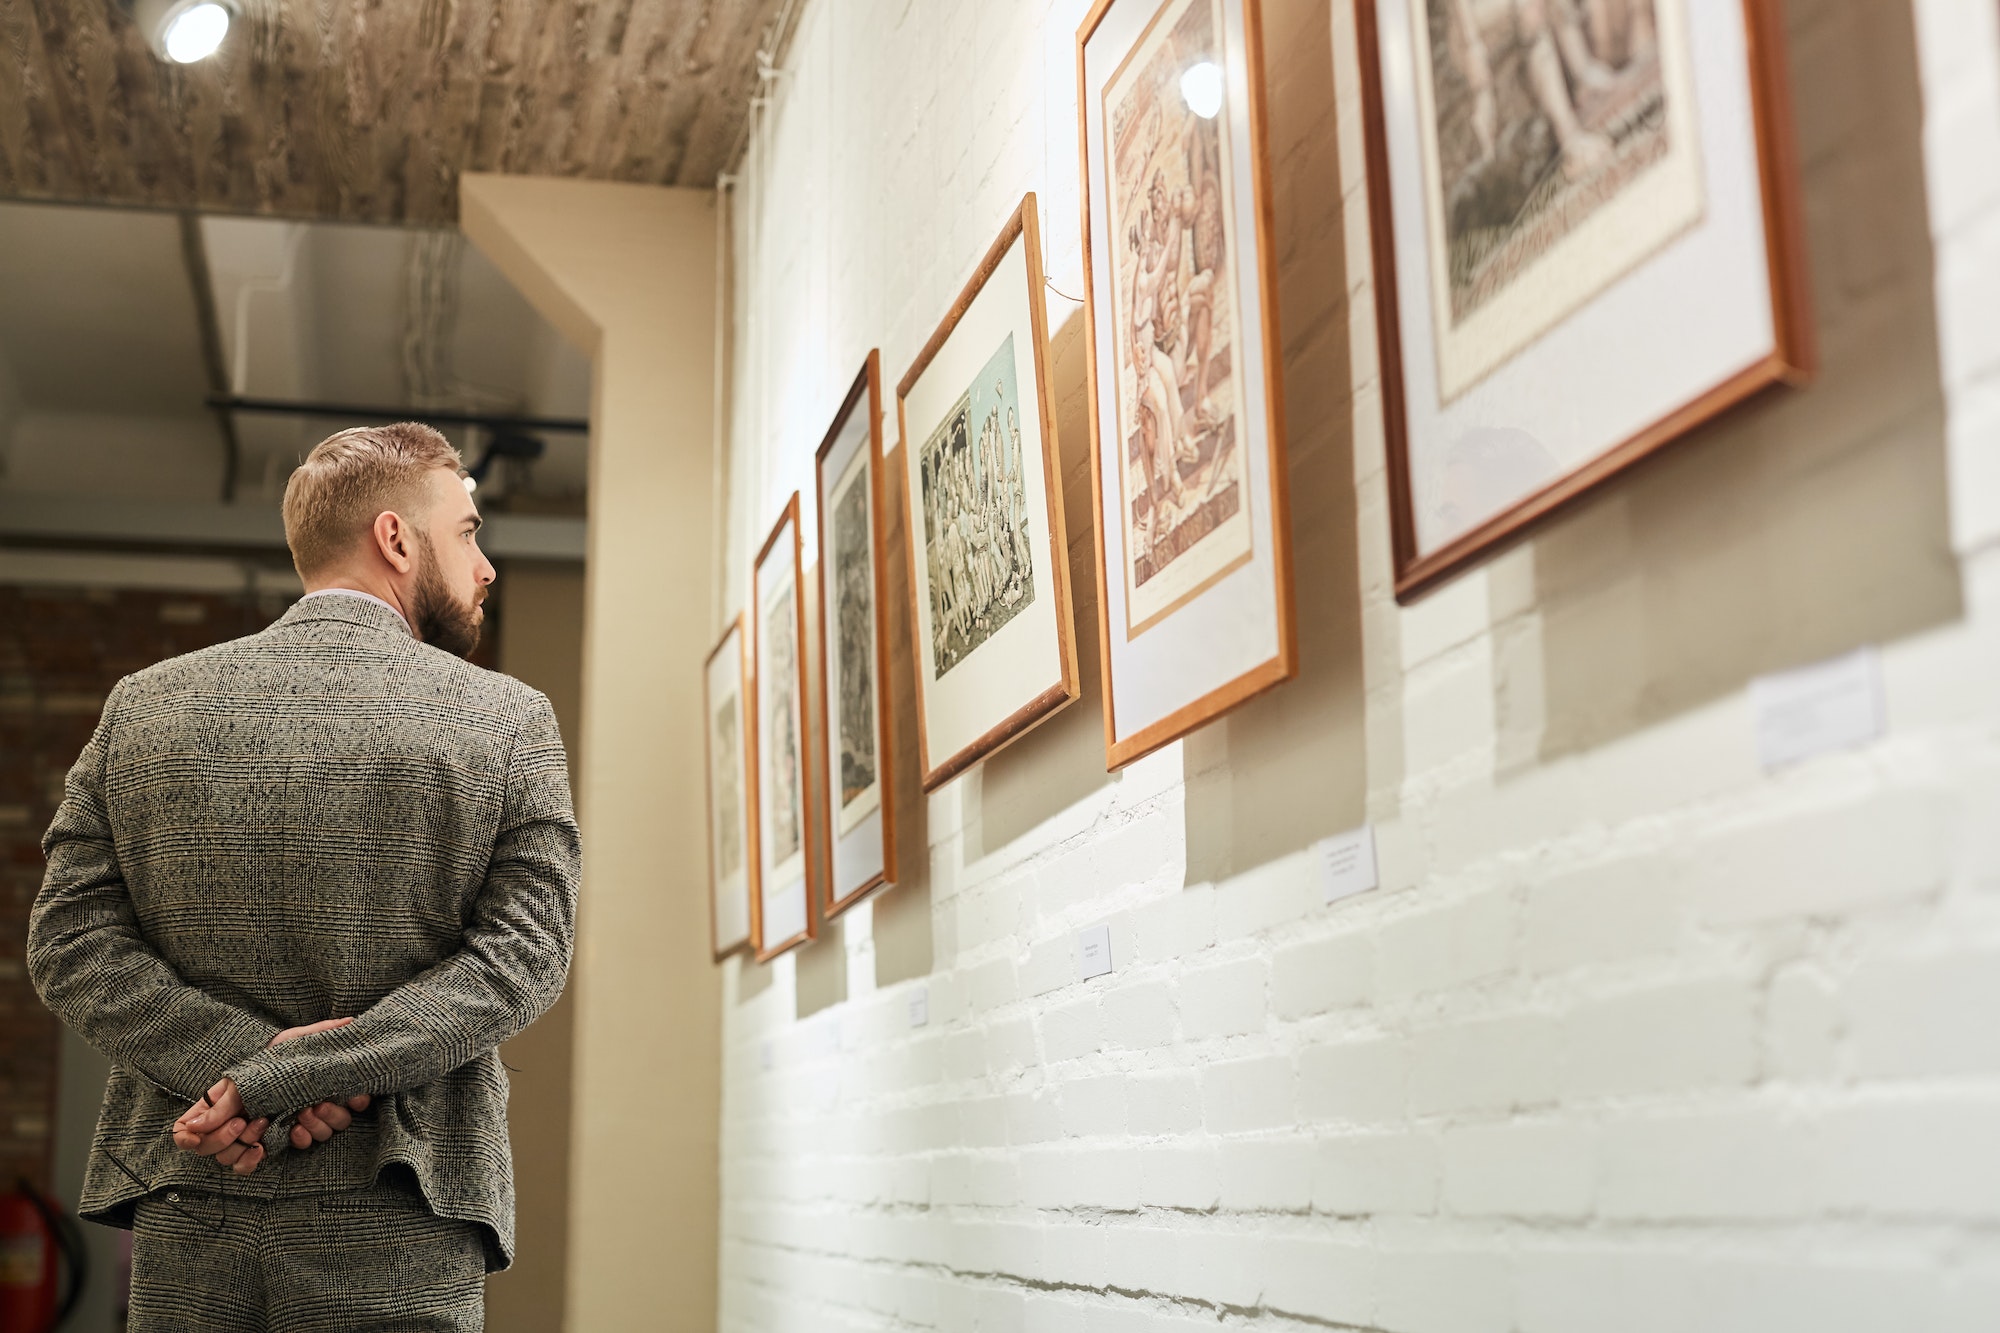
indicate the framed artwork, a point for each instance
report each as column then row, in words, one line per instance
column 990, row 606
column 729, row 871
column 854, row 651
column 1187, row 433
column 1586, row 242
column 782, row 829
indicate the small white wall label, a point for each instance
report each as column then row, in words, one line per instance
column 920, row 1006
column 1814, row 710
column 1093, row 952
column 1347, row 863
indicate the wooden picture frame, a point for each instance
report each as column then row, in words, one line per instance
column 731, row 869
column 860, row 797
column 783, row 831
column 1486, row 436
column 1197, row 619
column 1018, row 634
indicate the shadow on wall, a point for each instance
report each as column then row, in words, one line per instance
column 1060, row 762
column 820, row 974
column 900, row 915
column 752, row 977
column 1290, row 768
column 1810, row 523
column 1287, row 769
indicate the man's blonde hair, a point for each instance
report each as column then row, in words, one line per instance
column 334, row 496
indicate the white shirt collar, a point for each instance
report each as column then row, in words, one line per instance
column 364, row 596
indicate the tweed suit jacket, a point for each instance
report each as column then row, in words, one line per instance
column 326, row 819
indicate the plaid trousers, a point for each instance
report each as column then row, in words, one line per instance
column 373, row 1258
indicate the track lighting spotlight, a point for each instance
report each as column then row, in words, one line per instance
column 184, row 31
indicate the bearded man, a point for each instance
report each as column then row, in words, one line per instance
column 300, row 888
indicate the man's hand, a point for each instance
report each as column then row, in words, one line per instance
column 317, row 1124
column 324, row 1025
column 216, row 1125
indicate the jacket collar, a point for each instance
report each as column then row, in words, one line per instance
column 350, row 610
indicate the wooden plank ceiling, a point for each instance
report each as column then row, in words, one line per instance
column 367, row 110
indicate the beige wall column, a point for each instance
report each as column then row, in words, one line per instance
column 629, row 273
column 541, row 643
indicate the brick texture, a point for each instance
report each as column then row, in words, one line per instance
column 61, row 651
column 1635, row 1035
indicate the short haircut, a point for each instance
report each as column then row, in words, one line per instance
column 348, row 479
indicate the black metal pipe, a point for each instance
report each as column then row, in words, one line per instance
column 194, row 256
column 361, row 412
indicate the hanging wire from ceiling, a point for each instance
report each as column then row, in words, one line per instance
column 770, row 59
column 738, row 263
column 430, row 322
column 431, row 271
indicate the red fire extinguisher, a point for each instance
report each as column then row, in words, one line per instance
column 41, row 1262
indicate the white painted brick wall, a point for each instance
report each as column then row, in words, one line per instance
column 1634, row 1037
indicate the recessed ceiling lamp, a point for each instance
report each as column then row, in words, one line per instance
column 184, row 31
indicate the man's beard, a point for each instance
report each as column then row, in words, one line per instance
column 440, row 619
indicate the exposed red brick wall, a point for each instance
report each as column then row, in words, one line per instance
column 61, row 651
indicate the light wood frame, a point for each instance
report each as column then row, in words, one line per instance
column 867, row 389
column 740, row 628
column 1793, row 360
column 766, row 950
column 936, row 772
column 1284, row 666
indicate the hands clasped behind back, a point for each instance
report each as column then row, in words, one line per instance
column 217, row 1127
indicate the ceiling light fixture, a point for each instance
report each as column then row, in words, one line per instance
column 1201, row 88
column 184, row 31
column 510, row 444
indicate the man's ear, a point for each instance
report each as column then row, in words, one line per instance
column 393, row 540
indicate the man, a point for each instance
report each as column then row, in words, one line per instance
column 299, row 889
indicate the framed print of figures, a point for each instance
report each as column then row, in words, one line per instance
column 854, row 651
column 728, row 805
column 1187, row 438
column 782, row 806
column 1586, row 242
column 989, row 569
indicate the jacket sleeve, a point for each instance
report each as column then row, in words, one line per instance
column 510, row 968
column 91, row 962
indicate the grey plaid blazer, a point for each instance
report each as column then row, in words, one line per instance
column 325, row 819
